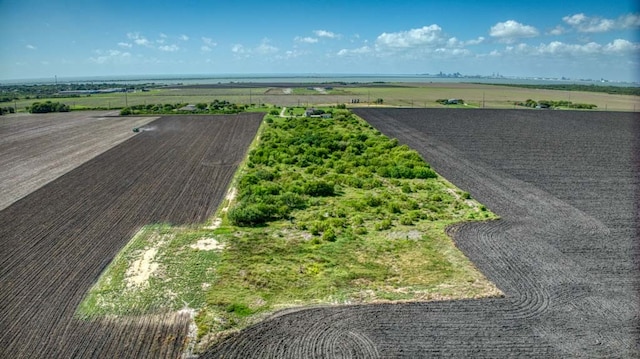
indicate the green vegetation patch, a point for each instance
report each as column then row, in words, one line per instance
column 326, row 211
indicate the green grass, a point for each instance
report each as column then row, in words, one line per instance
column 375, row 231
column 400, row 95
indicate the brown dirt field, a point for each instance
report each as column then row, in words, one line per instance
column 39, row 148
column 57, row 240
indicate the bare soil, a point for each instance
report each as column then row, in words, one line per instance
column 57, row 240
column 565, row 253
column 39, row 148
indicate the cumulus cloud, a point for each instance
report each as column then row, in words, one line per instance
column 125, row 44
column 327, row 34
column 511, row 30
column 306, row 40
column 558, row 30
column 209, row 41
column 357, row 51
column 477, row 41
column 265, row 48
column 558, row 48
column 595, row 24
column 621, row 46
column 205, row 48
column 184, row 37
column 31, row 47
column 109, row 56
column 426, row 35
column 238, row 49
column 291, row 54
column 138, row 39
column 169, row 48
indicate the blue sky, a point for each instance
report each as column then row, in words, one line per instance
column 74, row 38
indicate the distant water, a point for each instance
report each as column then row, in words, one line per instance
column 303, row 78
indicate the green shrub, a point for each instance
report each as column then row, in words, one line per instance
column 319, row 188
column 248, row 215
column 383, row 225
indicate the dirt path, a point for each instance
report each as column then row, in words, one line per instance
column 57, row 240
column 565, row 252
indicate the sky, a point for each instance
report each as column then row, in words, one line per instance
column 79, row 38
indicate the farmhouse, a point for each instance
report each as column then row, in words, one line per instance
column 313, row 112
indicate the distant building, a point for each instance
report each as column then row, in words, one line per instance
column 188, row 108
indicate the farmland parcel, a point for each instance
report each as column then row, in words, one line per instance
column 56, row 241
column 565, row 252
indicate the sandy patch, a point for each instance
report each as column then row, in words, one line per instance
column 207, row 244
column 217, row 221
column 140, row 270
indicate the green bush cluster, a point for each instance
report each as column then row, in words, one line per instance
column 7, row 109
column 300, row 161
column 215, row 107
column 553, row 104
column 48, row 106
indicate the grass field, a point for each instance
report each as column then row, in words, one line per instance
column 397, row 95
column 316, row 252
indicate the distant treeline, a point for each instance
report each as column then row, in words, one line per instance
column 556, row 104
column 16, row 92
column 46, row 107
column 613, row 90
column 215, row 107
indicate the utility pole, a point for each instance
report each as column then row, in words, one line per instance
column 483, row 100
column 126, row 102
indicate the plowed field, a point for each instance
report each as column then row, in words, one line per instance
column 56, row 241
column 565, row 253
column 36, row 149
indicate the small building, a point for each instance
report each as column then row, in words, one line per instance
column 188, row 108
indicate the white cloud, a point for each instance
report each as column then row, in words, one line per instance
column 584, row 23
column 184, row 37
column 477, row 41
column 510, row 30
column 306, row 40
column 31, row 47
column 424, row 36
column 125, row 44
column 629, row 21
column 169, row 48
column 109, row 56
column 327, row 34
column 138, row 39
column 558, row 30
column 205, row 48
column 209, row 41
column 357, row 51
column 291, row 54
column 238, row 49
column 162, row 35
column 621, row 46
column 265, row 48
column 557, row 48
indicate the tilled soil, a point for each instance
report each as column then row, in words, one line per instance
column 36, row 149
column 565, row 253
column 57, row 240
